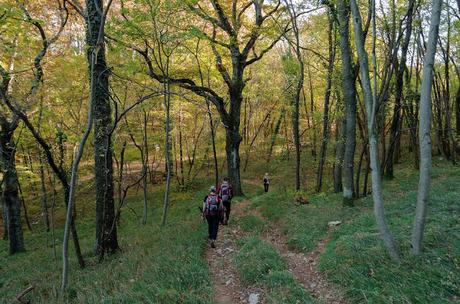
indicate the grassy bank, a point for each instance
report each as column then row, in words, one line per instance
column 156, row 264
column 356, row 258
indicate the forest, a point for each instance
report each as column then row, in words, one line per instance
column 325, row 133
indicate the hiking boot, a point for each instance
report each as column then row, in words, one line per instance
column 213, row 245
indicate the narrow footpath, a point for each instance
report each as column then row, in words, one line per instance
column 227, row 286
column 304, row 267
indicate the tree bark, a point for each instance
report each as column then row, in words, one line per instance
column 370, row 101
column 106, row 232
column 167, row 105
column 145, row 161
column 457, row 111
column 275, row 134
column 349, row 93
column 339, row 155
column 327, row 95
column 10, row 192
column 396, row 121
column 424, row 130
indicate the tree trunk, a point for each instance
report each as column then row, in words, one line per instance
column 43, row 200
column 167, row 104
column 424, row 130
column 457, row 111
column 233, row 140
column 339, row 155
column 4, row 218
column 10, row 192
column 275, row 134
column 327, row 95
column 23, row 202
column 106, row 232
column 370, row 101
column 349, row 93
column 145, row 161
column 181, row 150
column 396, row 122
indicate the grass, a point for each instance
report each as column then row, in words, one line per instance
column 253, row 224
column 166, row 264
column 156, row 264
column 356, row 259
column 259, row 263
column 304, row 224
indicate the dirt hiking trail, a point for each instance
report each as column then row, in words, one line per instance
column 304, row 267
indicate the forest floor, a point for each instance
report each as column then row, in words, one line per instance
column 273, row 251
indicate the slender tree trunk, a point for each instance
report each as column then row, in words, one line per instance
column 424, row 130
column 349, row 93
column 23, row 202
column 167, row 104
column 43, row 199
column 145, row 161
column 106, row 232
column 181, row 150
column 339, row 155
column 396, row 122
column 10, row 192
column 327, row 95
column 70, row 192
column 53, row 207
column 298, row 90
column 370, row 101
column 275, row 134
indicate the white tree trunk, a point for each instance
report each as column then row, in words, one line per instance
column 424, row 130
column 373, row 142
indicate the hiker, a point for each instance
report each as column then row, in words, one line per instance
column 212, row 211
column 226, row 194
column 266, row 182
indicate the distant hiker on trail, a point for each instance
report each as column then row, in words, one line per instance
column 226, row 194
column 212, row 211
column 266, row 182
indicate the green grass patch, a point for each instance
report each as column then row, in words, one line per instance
column 253, row 224
column 304, row 225
column 358, row 260
column 259, row 263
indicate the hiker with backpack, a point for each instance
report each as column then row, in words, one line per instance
column 226, row 195
column 266, row 182
column 212, row 211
